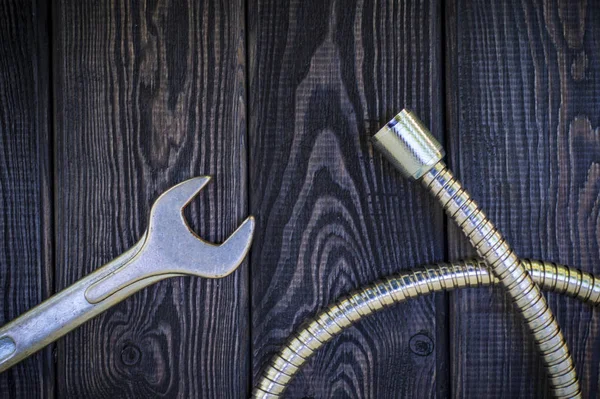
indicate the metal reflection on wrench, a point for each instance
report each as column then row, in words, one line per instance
column 168, row 248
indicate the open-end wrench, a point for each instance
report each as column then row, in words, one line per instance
column 168, row 248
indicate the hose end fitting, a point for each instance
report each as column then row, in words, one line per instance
column 408, row 145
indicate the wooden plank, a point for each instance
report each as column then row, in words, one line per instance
column 332, row 215
column 26, row 266
column 523, row 83
column 149, row 94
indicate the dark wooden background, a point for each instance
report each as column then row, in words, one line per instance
column 104, row 104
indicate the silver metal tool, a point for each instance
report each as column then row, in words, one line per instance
column 168, row 248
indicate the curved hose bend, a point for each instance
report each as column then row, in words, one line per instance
column 396, row 289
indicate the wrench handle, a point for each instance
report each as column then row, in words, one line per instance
column 62, row 313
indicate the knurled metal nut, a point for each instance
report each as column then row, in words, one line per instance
column 408, row 145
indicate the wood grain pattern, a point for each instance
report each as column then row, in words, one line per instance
column 25, row 194
column 148, row 94
column 332, row 215
column 523, row 117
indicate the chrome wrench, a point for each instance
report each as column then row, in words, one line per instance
column 168, row 248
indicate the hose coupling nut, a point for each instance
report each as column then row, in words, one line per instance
column 408, row 145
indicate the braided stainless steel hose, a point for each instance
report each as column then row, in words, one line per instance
column 409, row 145
column 396, row 289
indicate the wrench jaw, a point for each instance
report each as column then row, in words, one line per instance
column 180, row 249
column 172, row 247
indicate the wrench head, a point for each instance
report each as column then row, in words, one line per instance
column 178, row 249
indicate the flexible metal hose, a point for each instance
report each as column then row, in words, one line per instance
column 336, row 317
column 409, row 145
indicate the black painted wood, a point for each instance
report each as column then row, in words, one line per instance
column 332, row 215
column 149, row 94
column 523, row 115
column 25, row 180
